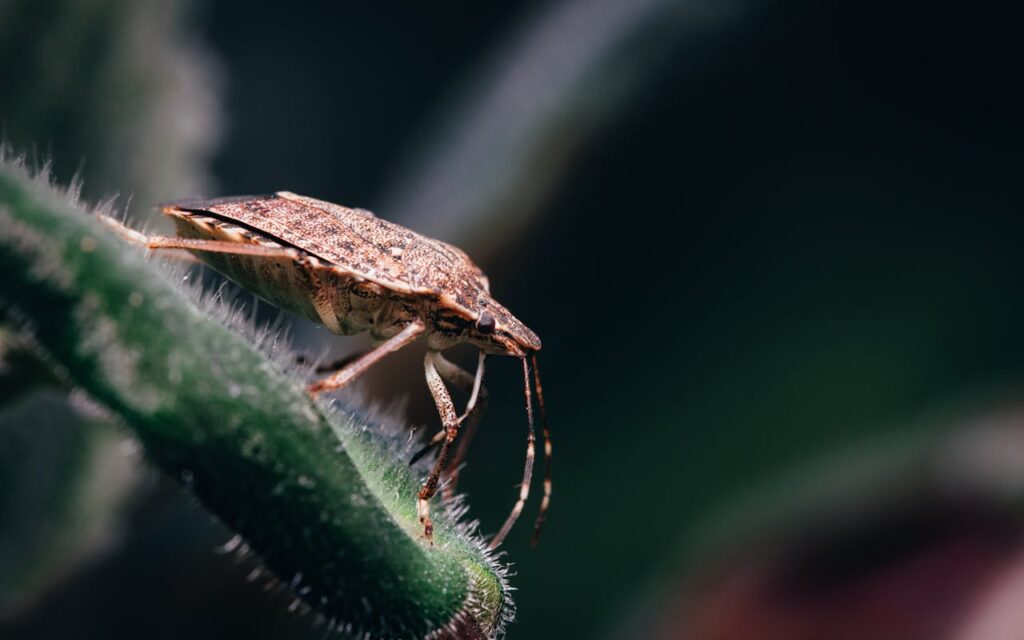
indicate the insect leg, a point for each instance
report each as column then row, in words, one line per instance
column 470, row 419
column 450, row 421
column 477, row 390
column 134, row 237
column 355, row 369
column 335, row 365
column 126, row 233
column 473, row 385
column 546, row 500
column 220, row 246
column 524, row 488
column 192, row 244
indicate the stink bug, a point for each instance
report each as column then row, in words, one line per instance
column 353, row 272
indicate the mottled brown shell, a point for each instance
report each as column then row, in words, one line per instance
column 365, row 246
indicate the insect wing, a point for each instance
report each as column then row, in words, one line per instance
column 337, row 235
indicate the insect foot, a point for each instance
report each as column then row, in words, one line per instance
column 423, row 511
column 316, row 389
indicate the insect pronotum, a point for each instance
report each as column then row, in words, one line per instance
column 354, row 272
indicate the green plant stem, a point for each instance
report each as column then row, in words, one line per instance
column 325, row 501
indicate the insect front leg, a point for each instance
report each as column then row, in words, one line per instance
column 473, row 385
column 470, row 419
column 450, row 422
column 354, row 369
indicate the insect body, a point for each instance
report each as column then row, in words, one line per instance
column 354, row 272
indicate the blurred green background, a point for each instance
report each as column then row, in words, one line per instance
column 751, row 235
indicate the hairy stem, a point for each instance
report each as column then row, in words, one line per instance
column 317, row 493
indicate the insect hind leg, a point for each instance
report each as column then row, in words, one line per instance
column 125, row 232
column 192, row 244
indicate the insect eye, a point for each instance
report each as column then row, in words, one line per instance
column 485, row 324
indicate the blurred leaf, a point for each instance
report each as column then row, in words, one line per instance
column 123, row 94
column 63, row 482
column 912, row 539
column 118, row 89
column 20, row 369
column 561, row 78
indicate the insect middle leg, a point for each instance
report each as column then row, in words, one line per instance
column 472, row 384
column 334, row 365
column 450, row 423
column 354, row 369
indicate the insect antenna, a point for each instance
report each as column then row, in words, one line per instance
column 524, row 488
column 546, row 500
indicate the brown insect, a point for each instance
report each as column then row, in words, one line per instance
column 353, row 272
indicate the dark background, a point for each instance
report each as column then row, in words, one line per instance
column 799, row 231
